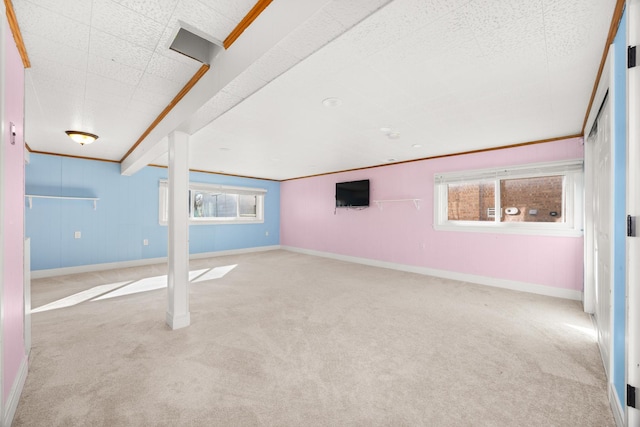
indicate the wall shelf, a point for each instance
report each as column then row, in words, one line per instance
column 416, row 202
column 30, row 197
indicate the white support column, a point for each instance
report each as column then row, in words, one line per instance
column 633, row 209
column 178, row 278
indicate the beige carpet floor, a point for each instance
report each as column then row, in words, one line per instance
column 285, row 339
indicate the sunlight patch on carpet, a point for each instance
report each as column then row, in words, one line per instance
column 112, row 290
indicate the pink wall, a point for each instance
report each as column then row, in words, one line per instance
column 401, row 234
column 13, row 193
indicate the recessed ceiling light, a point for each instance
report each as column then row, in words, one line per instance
column 224, row 149
column 385, row 129
column 332, row 102
column 417, row 145
column 391, row 160
column 393, row 135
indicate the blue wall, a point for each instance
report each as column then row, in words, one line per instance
column 126, row 214
column 619, row 208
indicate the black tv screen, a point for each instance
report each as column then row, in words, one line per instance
column 353, row 193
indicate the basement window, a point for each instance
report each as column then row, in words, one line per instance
column 217, row 204
column 530, row 199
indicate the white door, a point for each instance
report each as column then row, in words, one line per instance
column 601, row 227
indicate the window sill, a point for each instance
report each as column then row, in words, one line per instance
column 510, row 229
column 221, row 222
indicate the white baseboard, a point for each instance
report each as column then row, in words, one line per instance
column 614, row 402
column 16, row 391
column 39, row 274
column 464, row 277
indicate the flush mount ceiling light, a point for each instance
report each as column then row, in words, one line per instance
column 81, row 138
column 332, row 102
column 417, row 145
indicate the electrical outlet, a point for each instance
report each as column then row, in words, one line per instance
column 77, row 235
column 145, row 242
column 266, row 233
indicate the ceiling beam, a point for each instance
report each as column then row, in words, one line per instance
column 190, row 84
column 246, row 21
column 275, row 23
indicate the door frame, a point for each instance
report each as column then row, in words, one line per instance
column 589, row 298
column 602, row 92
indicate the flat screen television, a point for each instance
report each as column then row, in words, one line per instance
column 352, row 194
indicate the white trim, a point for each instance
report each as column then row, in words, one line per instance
column 16, row 391
column 53, row 272
column 27, row 296
column 560, row 167
column 178, row 321
column 260, row 193
column 603, row 93
column 464, row 277
column 521, row 228
column 572, row 202
column 632, row 371
column 616, row 409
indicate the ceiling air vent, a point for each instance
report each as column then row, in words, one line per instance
column 194, row 46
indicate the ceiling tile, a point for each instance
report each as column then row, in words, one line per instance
column 105, row 45
column 45, row 23
column 120, row 21
column 158, row 10
column 573, row 26
column 108, row 90
column 170, row 69
column 43, row 48
column 144, row 108
column 152, row 98
column 78, row 10
column 155, row 84
column 58, row 71
column 114, row 70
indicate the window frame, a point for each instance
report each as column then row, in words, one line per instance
column 163, row 203
column 572, row 203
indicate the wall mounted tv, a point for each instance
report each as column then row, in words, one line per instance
column 352, row 194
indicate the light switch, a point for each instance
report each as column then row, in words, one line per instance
column 145, row 242
column 77, row 235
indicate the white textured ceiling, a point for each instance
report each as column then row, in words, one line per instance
column 447, row 75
